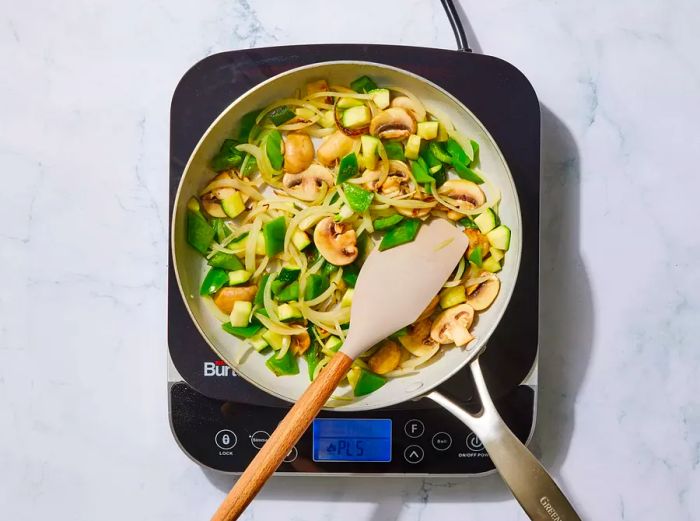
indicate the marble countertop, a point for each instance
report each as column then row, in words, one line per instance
column 85, row 98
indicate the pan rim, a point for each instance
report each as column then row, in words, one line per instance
column 470, row 353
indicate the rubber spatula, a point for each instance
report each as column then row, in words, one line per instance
column 393, row 288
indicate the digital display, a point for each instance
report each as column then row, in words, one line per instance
column 352, row 440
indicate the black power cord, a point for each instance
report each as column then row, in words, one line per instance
column 456, row 24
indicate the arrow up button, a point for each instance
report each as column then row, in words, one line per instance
column 413, row 454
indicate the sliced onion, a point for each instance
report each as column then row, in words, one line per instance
column 417, row 361
column 279, row 328
column 457, row 279
column 251, row 244
column 403, row 203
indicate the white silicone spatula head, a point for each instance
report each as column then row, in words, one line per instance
column 396, row 285
column 393, row 288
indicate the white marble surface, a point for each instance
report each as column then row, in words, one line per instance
column 84, row 100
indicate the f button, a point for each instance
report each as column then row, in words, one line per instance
column 414, row 428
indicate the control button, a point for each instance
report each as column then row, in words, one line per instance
column 442, row 441
column 258, row 439
column 413, row 454
column 414, row 428
column 291, row 455
column 474, row 443
column 226, row 439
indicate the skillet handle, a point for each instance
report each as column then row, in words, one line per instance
column 530, row 483
column 285, row 436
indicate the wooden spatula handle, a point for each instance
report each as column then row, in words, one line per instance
column 283, row 439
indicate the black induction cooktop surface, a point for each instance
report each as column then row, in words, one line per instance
column 502, row 98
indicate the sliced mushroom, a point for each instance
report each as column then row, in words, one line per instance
column 386, row 358
column 370, row 179
column 300, row 343
column 452, row 325
column 398, row 182
column 307, row 184
column 225, row 297
column 477, row 239
column 417, row 340
column 211, row 205
column 467, row 195
column 336, row 241
column 417, row 212
column 414, row 108
column 392, row 123
column 334, row 147
column 485, row 293
column 298, row 153
column 431, row 307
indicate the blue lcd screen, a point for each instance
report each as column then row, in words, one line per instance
column 352, row 440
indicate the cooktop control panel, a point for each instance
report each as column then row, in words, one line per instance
column 226, row 435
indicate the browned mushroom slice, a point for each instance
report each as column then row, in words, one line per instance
column 477, row 239
column 386, row 358
column 334, row 147
column 336, row 241
column 452, row 325
column 485, row 293
column 430, row 308
column 467, row 195
column 300, row 343
column 392, row 123
column 307, row 184
column 417, row 340
column 225, row 297
column 298, row 153
column 412, row 107
column 212, row 206
column 398, row 182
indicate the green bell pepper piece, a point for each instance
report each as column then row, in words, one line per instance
column 249, row 166
column 227, row 157
column 315, row 285
column 226, row 261
column 384, row 223
column 281, row 115
column 283, row 278
column 274, row 149
column 440, row 177
column 475, row 257
column 247, row 124
column 289, row 293
column 328, row 269
column 394, row 150
column 457, row 152
column 221, row 231
column 358, row 198
column 347, row 169
column 431, row 160
column 401, row 332
column 350, row 274
column 465, row 172
column 402, row 233
column 199, row 232
column 368, row 382
column 287, row 365
column 274, row 232
column 363, row 84
column 260, row 294
column 439, row 152
column 214, row 280
column 313, row 356
column 468, row 222
column 420, row 171
column 475, row 148
column 248, row 331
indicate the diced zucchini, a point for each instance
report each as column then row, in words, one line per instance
column 428, row 129
column 288, row 293
column 356, row 117
column 486, row 221
column 260, row 245
column 289, row 311
column 370, row 146
column 476, row 257
column 346, row 103
column 233, row 205
column 332, row 345
column 442, row 133
column 497, row 254
column 300, row 240
column 346, row 302
column 274, row 340
column 412, row 150
column 238, row 277
column 304, row 113
column 499, row 237
column 491, row 264
column 450, row 297
column 380, row 97
column 327, row 119
column 258, row 342
column 367, row 382
column 353, row 375
column 240, row 314
column 193, row 204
